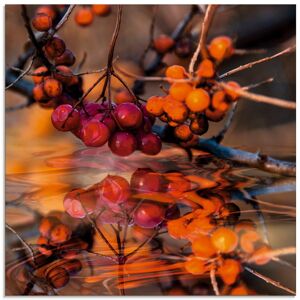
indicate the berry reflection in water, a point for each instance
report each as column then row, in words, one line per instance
column 157, row 227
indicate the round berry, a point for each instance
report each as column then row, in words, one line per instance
column 101, row 9
column 47, row 10
column 197, row 100
column 199, row 125
column 224, row 240
column 148, row 215
column 128, row 115
column 202, row 246
column 221, row 47
column 229, row 271
column 123, row 96
column 84, row 16
column 206, row 69
column 150, row 143
column 183, row 132
column 60, row 233
column 38, row 93
column 175, row 72
column 145, row 180
column 65, row 118
column 122, row 143
column 180, row 90
column 67, row 58
column 42, row 22
column 155, row 106
column 39, row 79
column 163, row 43
column 55, row 47
column 94, row 133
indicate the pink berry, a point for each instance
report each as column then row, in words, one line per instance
column 149, row 215
column 65, row 118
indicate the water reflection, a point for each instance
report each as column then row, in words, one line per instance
column 100, row 225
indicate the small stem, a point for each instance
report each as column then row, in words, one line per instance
column 213, row 281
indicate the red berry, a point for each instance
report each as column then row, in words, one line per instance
column 113, row 190
column 65, row 118
column 67, row 58
column 163, row 43
column 145, row 180
column 149, row 215
column 91, row 108
column 94, row 133
column 42, row 22
column 122, row 143
column 55, row 47
column 129, row 115
column 150, row 143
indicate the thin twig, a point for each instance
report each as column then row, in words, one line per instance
column 220, row 136
column 213, row 281
column 255, row 85
column 249, row 51
column 259, row 98
column 201, row 48
column 253, row 63
column 269, row 280
column 26, row 245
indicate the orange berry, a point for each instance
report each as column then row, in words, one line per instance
column 52, row 87
column 183, row 132
column 175, row 72
column 38, row 93
column 221, row 47
column 224, row 239
column 84, row 16
column 214, row 115
column 262, row 259
column 229, row 271
column 197, row 100
column 101, row 9
column 248, row 240
column 39, row 79
column 47, row 10
column 175, row 110
column 179, row 90
column 218, row 101
column 206, row 69
column 240, row 290
column 45, row 226
column 197, row 226
column 202, row 246
column 163, row 43
column 42, row 22
column 173, row 124
column 123, row 96
column 60, row 233
column 195, row 266
column 177, row 228
column 155, row 106
column 232, row 94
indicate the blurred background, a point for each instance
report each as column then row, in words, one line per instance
column 42, row 164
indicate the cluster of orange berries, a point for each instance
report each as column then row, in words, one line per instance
column 219, row 240
column 55, row 239
column 191, row 103
column 85, row 15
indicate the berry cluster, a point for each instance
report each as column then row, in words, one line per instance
column 218, row 239
column 55, row 241
column 85, row 15
column 192, row 102
column 117, row 199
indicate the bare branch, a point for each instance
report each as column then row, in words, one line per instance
column 269, row 280
column 255, row 160
column 249, row 51
column 255, row 85
column 201, row 48
column 260, row 98
column 253, row 63
column 213, row 281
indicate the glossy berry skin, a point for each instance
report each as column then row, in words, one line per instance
column 220, row 48
column 224, row 240
column 149, row 143
column 206, row 69
column 123, row 96
column 58, row 277
column 197, row 100
column 65, row 118
column 195, row 266
column 52, row 87
column 149, row 215
column 180, row 90
column 122, row 143
column 203, row 247
column 145, row 180
column 95, row 133
column 113, row 190
column 229, row 271
column 129, row 115
column 154, row 106
column 84, row 16
column 55, row 47
column 175, row 72
column 42, row 22
column 163, row 43
column 67, row 58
